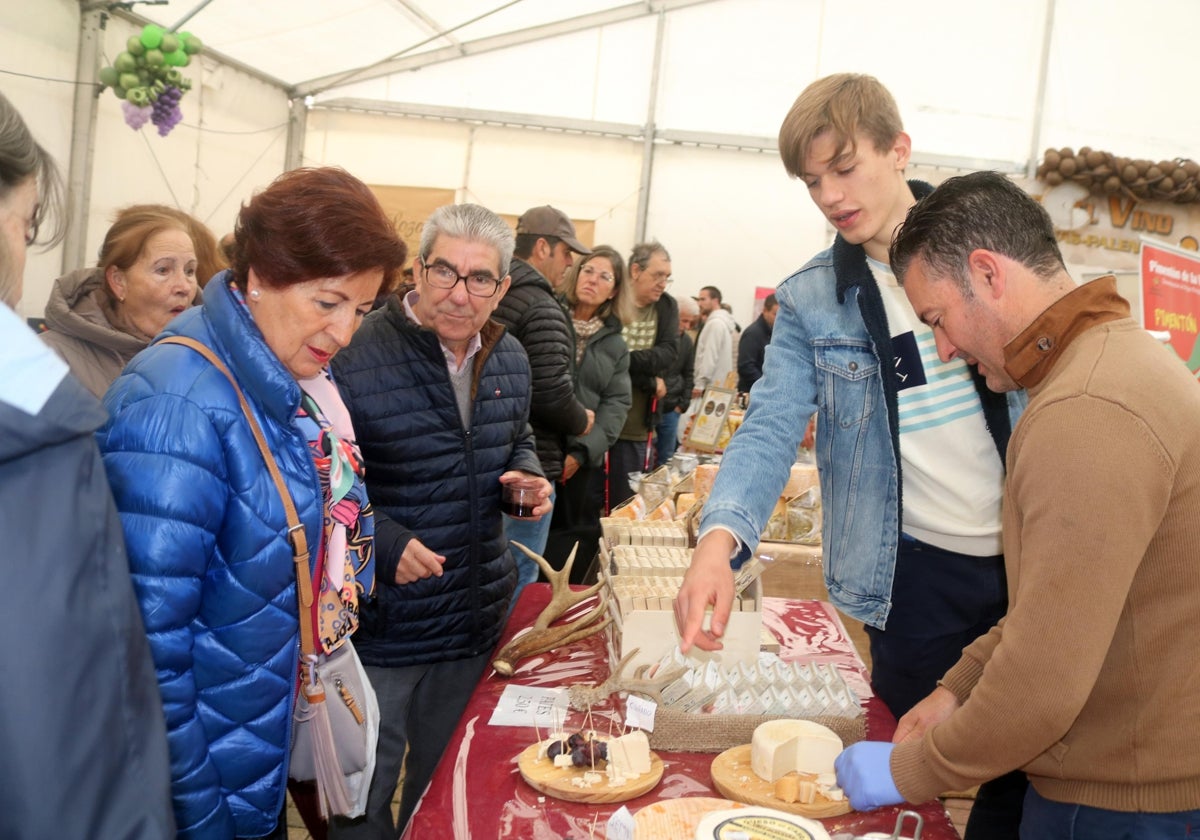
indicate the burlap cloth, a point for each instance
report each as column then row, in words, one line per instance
column 677, row 731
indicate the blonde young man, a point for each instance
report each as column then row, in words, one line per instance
column 910, row 449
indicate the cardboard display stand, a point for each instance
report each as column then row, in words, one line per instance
column 710, row 419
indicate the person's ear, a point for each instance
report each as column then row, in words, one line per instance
column 988, row 273
column 115, row 278
column 902, row 149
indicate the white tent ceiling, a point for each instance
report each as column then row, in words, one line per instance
column 310, row 45
column 979, row 83
column 643, row 116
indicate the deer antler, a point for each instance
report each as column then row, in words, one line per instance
column 541, row 636
column 583, row 696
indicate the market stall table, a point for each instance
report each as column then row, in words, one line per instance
column 477, row 790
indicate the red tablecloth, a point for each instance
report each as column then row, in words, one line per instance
column 477, row 791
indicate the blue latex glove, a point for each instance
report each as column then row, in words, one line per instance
column 864, row 772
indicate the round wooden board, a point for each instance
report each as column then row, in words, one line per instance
column 677, row 819
column 732, row 777
column 541, row 774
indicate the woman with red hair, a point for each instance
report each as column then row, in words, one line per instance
column 205, row 525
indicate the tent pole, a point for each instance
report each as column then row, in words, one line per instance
column 1039, row 105
column 83, row 136
column 648, row 135
column 189, row 16
column 293, row 156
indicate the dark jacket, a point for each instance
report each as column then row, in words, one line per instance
column 433, row 480
column 645, row 365
column 211, row 562
column 679, row 380
column 751, row 348
column 81, row 723
column 533, row 316
column 602, row 384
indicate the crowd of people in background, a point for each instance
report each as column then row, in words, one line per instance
column 403, row 406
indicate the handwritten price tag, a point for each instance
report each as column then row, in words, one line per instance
column 620, row 825
column 639, row 712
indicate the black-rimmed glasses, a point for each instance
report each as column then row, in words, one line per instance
column 443, row 276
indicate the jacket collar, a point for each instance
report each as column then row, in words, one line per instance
column 523, row 274
column 850, row 261
column 1031, row 356
column 240, row 343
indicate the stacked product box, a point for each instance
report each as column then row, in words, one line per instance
column 732, row 690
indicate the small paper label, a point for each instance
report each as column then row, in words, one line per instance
column 639, row 712
column 523, row 705
column 620, row 825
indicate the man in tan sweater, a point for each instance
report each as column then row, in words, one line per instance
column 1089, row 682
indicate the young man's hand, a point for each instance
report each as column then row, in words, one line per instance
column 708, row 582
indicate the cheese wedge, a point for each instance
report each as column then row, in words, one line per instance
column 629, row 755
column 781, row 746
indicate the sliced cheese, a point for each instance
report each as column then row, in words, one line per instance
column 781, row 746
column 629, row 755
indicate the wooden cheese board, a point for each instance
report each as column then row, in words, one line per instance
column 732, row 777
column 565, row 782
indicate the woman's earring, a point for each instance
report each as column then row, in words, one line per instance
column 256, row 294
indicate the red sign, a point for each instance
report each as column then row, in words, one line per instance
column 1171, row 298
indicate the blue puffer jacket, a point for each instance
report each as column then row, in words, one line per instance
column 212, row 567
column 431, row 479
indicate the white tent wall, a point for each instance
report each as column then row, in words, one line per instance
column 43, row 46
column 978, row 84
column 231, row 141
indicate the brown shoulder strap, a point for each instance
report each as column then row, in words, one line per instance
column 295, row 533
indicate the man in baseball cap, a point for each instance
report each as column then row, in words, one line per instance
column 552, row 227
column 546, row 247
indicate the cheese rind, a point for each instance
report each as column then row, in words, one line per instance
column 781, row 746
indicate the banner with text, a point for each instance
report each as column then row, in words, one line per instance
column 1170, row 284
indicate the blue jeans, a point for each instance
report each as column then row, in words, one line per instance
column 668, row 435
column 533, row 536
column 1048, row 820
column 419, row 706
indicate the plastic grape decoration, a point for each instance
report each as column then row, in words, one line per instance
column 146, row 76
column 165, row 111
column 135, row 117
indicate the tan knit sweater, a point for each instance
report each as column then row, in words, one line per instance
column 1090, row 682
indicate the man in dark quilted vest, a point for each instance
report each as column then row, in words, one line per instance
column 439, row 397
column 545, row 248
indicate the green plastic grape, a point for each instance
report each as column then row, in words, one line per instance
column 152, row 36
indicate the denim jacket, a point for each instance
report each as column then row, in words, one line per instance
column 829, row 350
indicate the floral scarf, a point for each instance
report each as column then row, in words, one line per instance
column 346, row 558
column 584, row 330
